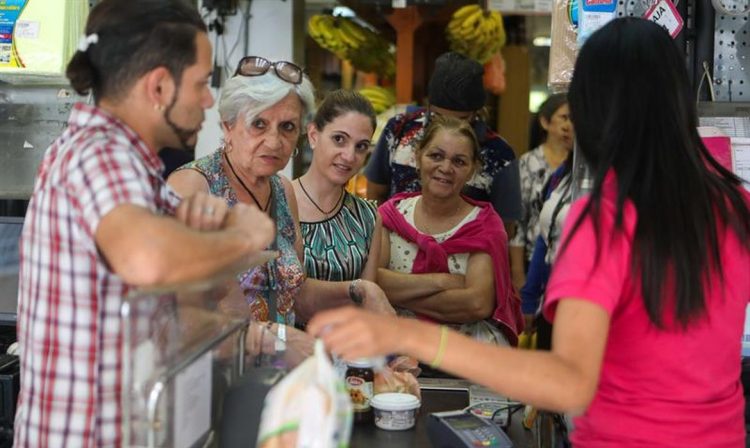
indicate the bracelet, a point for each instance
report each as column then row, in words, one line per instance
column 441, row 348
column 354, row 294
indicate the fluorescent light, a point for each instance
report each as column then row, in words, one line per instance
column 343, row 11
column 542, row 41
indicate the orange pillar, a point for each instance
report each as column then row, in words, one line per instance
column 405, row 21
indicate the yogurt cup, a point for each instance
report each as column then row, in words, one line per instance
column 395, row 411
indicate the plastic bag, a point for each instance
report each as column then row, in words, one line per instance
column 399, row 376
column 564, row 47
column 309, row 408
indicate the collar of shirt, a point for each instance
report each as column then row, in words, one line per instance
column 89, row 116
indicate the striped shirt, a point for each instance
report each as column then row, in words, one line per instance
column 69, row 300
column 336, row 249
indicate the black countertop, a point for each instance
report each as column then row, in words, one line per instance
column 370, row 436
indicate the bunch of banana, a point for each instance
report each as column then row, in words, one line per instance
column 380, row 97
column 365, row 49
column 322, row 29
column 475, row 32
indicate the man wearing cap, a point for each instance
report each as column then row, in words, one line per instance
column 455, row 89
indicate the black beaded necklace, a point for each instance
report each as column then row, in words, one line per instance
column 327, row 213
column 270, row 196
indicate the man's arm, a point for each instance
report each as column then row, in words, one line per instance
column 148, row 249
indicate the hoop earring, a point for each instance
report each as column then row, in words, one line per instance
column 295, row 152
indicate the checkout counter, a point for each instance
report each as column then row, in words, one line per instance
column 438, row 395
column 196, row 375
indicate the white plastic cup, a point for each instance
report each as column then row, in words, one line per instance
column 395, row 411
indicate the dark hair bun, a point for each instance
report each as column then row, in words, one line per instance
column 81, row 73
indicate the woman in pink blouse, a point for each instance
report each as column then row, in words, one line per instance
column 649, row 290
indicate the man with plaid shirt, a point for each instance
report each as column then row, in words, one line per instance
column 102, row 220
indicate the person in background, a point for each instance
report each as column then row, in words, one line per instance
column 101, row 220
column 536, row 166
column 455, row 89
column 649, row 287
column 444, row 256
column 557, row 194
column 340, row 232
column 263, row 109
column 173, row 158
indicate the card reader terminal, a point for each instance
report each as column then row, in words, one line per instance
column 462, row 429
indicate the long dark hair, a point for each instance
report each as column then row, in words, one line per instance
column 633, row 111
column 134, row 37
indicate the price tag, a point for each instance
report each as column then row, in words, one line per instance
column 501, row 5
column 543, row 6
column 665, row 14
column 27, row 29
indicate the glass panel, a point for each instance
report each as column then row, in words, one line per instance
column 184, row 347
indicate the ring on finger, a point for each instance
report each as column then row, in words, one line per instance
column 208, row 210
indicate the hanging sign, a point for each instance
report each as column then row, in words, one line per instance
column 665, row 14
column 10, row 11
column 594, row 14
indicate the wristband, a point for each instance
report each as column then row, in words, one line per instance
column 441, row 348
column 280, row 343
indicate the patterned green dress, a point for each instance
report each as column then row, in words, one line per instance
column 275, row 284
column 336, row 249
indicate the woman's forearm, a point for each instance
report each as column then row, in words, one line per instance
column 402, row 288
column 542, row 379
column 459, row 306
column 316, row 295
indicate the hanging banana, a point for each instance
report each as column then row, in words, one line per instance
column 476, row 33
column 365, row 49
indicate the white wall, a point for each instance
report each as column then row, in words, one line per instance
column 270, row 34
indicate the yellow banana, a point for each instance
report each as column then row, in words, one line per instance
column 464, row 12
column 354, row 30
column 347, row 38
column 313, row 27
column 471, row 20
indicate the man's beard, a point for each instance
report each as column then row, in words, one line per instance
column 182, row 134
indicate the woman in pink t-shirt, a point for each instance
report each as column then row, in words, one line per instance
column 649, row 290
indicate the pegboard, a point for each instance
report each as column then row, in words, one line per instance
column 732, row 58
column 635, row 8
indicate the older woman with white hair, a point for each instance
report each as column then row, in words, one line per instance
column 263, row 110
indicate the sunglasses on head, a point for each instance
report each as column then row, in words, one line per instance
column 258, row 66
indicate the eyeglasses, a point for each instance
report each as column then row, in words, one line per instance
column 258, row 66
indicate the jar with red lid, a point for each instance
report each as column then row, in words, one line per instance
column 360, row 379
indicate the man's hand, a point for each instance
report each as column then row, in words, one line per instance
column 259, row 229
column 203, row 211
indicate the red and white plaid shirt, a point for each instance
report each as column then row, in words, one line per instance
column 69, row 300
